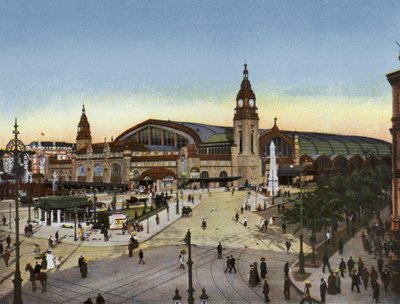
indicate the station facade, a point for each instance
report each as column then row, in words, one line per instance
column 164, row 152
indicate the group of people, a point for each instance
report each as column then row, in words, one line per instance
column 255, row 279
column 28, row 230
column 5, row 253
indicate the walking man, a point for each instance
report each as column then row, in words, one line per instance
column 365, row 277
column 350, row 265
column 288, row 245
column 341, row 245
column 141, row 261
column 6, row 257
column 342, row 267
column 306, row 295
column 233, row 262
column 375, row 295
column 325, row 260
column 100, row 299
column 322, row 290
column 266, row 291
column 355, row 281
column 228, row 263
column 219, row 250
column 286, row 288
column 56, row 235
column 8, row 241
column 374, row 276
column 4, row 220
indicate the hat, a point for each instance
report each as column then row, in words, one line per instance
column 306, row 282
column 262, row 259
column 337, row 270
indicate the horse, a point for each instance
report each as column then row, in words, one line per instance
column 42, row 277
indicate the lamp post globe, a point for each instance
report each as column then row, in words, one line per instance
column 176, row 298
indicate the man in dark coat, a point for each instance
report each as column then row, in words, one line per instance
column 263, row 268
column 6, row 257
column 130, row 248
column 355, row 281
column 1, row 248
column 380, row 265
column 8, row 241
column 84, row 269
column 375, row 294
column 373, row 275
column 325, row 260
column 219, row 250
column 322, row 290
column 100, row 299
column 365, row 277
column 342, row 267
column 4, row 220
column 57, row 239
column 258, row 280
column 88, row 301
column 286, row 269
column 233, row 264
column 288, row 245
column 266, row 291
column 80, row 260
column 37, row 269
column 350, row 265
column 228, row 263
column 141, row 255
column 252, row 276
column 341, row 246
column 286, row 288
column 385, row 276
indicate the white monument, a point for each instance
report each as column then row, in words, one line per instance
column 273, row 182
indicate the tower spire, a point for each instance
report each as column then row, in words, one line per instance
column 245, row 72
column 83, row 108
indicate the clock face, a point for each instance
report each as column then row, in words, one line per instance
column 240, row 102
column 251, row 102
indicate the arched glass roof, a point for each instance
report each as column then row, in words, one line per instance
column 312, row 143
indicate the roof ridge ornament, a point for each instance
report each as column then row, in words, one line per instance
column 245, row 72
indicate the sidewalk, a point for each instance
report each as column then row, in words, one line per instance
column 355, row 249
column 96, row 239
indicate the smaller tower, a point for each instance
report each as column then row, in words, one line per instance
column 83, row 137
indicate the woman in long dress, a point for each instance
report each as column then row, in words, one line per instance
column 50, row 261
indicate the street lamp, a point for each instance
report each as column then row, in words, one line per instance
column 177, row 298
column 301, row 253
column 9, row 217
column 190, row 265
column 94, row 207
column 75, row 239
column 204, row 297
column 167, row 211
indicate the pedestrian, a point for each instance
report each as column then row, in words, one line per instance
column 355, row 281
column 338, row 282
column 233, row 264
column 385, row 276
column 80, row 260
column 288, row 244
column 332, row 284
column 286, row 269
column 306, row 294
column 237, row 217
column 386, row 249
column 263, row 268
column 241, row 210
column 227, row 263
column 130, row 248
column 284, row 226
column 342, row 267
column 350, row 265
column 204, row 224
column 88, row 301
column 50, row 242
column 375, row 295
column 380, row 265
column 105, row 234
column 365, row 277
column 1, row 248
column 56, row 235
column 26, row 230
column 8, row 241
column 6, row 257
column 373, row 276
column 252, row 277
column 286, row 288
column 245, row 222
column 4, row 220
column 360, row 264
column 37, row 251
column 84, row 269
column 37, row 269
column 219, row 251
column 157, row 219
column 325, row 261
column 341, row 245
column 266, row 291
column 100, row 299
column 328, row 237
column 181, row 261
column 141, row 261
column 258, row 280
column 322, row 290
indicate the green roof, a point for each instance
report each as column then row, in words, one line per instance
column 62, row 202
column 220, row 137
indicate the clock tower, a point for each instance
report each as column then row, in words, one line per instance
column 245, row 128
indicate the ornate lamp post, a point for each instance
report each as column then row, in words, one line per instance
column 177, row 189
column 9, row 217
column 204, row 297
column 301, row 253
column 190, row 265
column 18, row 150
column 75, row 239
column 177, row 298
column 94, row 206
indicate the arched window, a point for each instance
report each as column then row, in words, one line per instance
column 204, row 174
column 356, row 162
column 81, row 170
column 223, row 174
column 340, row 162
column 116, row 173
column 282, row 148
column 98, row 170
column 323, row 162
